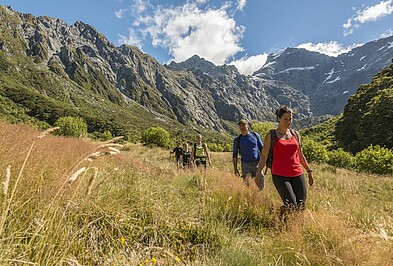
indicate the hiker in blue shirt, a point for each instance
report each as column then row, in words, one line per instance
column 248, row 145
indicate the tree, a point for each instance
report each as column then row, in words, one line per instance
column 71, row 126
column 155, row 136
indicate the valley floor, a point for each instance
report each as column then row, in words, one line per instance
column 75, row 202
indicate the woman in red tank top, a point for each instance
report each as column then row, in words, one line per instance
column 287, row 171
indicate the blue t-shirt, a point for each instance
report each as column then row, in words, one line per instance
column 249, row 147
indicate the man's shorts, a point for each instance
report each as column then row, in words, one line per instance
column 249, row 167
column 200, row 161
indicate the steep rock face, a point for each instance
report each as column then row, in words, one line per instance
column 328, row 81
column 88, row 58
column 194, row 92
column 236, row 95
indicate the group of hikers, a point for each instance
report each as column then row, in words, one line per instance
column 198, row 156
column 283, row 144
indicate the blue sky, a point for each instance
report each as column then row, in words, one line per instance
column 239, row 32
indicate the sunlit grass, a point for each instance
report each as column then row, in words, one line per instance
column 136, row 208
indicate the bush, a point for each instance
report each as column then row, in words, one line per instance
column 263, row 128
column 228, row 147
column 314, row 152
column 375, row 159
column 341, row 158
column 71, row 126
column 214, row 147
column 104, row 136
column 155, row 136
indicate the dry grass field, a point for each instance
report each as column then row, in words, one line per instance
column 68, row 201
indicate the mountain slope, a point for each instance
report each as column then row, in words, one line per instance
column 76, row 70
column 46, row 74
column 87, row 63
column 366, row 118
column 328, row 81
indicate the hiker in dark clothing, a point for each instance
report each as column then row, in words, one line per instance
column 249, row 145
column 178, row 151
column 186, row 156
column 288, row 159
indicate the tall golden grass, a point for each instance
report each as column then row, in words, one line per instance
column 70, row 201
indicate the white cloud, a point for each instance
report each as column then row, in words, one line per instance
column 332, row 48
column 131, row 39
column 120, row 14
column 241, row 4
column 190, row 29
column 368, row 14
column 248, row 65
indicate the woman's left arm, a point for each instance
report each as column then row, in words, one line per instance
column 304, row 163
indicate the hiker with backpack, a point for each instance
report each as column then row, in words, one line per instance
column 283, row 154
column 186, row 155
column 178, row 151
column 200, row 153
column 248, row 145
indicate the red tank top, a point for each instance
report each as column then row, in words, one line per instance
column 286, row 160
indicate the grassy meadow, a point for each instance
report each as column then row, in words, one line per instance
column 68, row 201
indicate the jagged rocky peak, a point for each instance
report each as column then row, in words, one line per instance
column 194, row 62
column 88, row 32
column 200, row 65
column 291, row 58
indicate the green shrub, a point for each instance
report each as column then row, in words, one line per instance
column 263, row 128
column 215, row 147
column 375, row 159
column 155, row 136
column 104, row 136
column 314, row 152
column 341, row 158
column 71, row 126
column 227, row 147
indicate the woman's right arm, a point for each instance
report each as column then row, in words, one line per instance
column 262, row 160
column 264, row 153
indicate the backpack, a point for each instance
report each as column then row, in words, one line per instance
column 186, row 157
column 195, row 146
column 269, row 160
column 238, row 142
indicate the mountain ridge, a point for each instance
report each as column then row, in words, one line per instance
column 195, row 93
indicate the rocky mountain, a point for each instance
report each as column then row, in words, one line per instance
column 76, row 70
column 236, row 95
column 328, row 81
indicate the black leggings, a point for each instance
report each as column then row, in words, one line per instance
column 292, row 190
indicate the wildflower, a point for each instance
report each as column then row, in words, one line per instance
column 147, row 260
column 177, row 259
column 154, row 260
column 122, row 240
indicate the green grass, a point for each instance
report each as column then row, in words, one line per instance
column 136, row 208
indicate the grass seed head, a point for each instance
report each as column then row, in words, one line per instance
column 7, row 180
column 75, row 175
column 48, row 131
